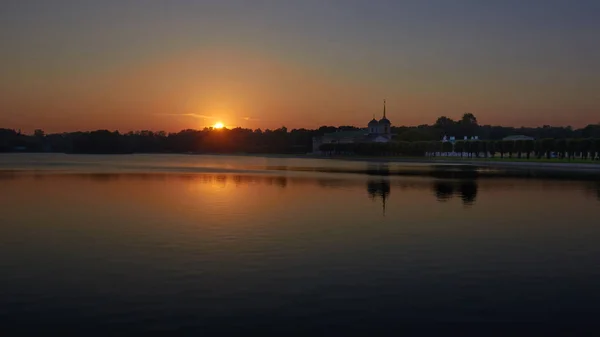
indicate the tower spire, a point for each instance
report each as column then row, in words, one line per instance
column 384, row 108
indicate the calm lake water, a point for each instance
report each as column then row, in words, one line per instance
column 224, row 245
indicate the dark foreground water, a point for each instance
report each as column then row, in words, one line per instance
column 114, row 245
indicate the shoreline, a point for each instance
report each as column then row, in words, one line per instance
column 517, row 164
column 478, row 162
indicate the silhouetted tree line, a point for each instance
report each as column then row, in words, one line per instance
column 414, row 141
column 197, row 141
column 585, row 148
column 424, row 140
column 468, row 126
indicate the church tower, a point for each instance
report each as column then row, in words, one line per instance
column 384, row 124
column 373, row 126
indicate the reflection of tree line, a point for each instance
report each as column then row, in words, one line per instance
column 443, row 188
column 466, row 190
column 594, row 189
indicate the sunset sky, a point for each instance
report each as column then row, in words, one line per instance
column 172, row 65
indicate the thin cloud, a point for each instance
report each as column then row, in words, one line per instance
column 250, row 119
column 190, row 115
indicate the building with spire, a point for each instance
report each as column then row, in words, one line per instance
column 382, row 127
column 378, row 131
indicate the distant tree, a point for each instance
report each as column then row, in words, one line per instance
column 468, row 125
column 444, row 122
column 327, row 147
column 509, row 147
column 491, row 147
column 433, row 147
column 485, row 148
column 420, row 148
column 585, row 146
column 468, row 148
column 447, row 147
column 528, row 147
column 519, row 148
column 348, row 128
column 401, row 148
column 572, row 146
column 560, row 146
column 469, row 119
column 346, row 148
column 591, row 131
column 593, row 148
column 597, row 148
column 39, row 133
column 499, row 147
column 539, row 148
column 459, row 147
column 476, row 147
column 415, row 135
column 446, row 126
column 548, row 146
column 325, row 129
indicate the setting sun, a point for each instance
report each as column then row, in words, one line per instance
column 218, row 125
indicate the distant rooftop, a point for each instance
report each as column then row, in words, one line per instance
column 518, row 137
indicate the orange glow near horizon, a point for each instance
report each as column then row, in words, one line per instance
column 218, row 125
column 261, row 90
column 131, row 68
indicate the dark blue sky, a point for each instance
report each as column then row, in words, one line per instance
column 129, row 64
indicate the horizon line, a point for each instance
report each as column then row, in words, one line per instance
column 290, row 129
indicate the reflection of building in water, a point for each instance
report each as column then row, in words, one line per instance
column 467, row 190
column 379, row 188
column 378, row 169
